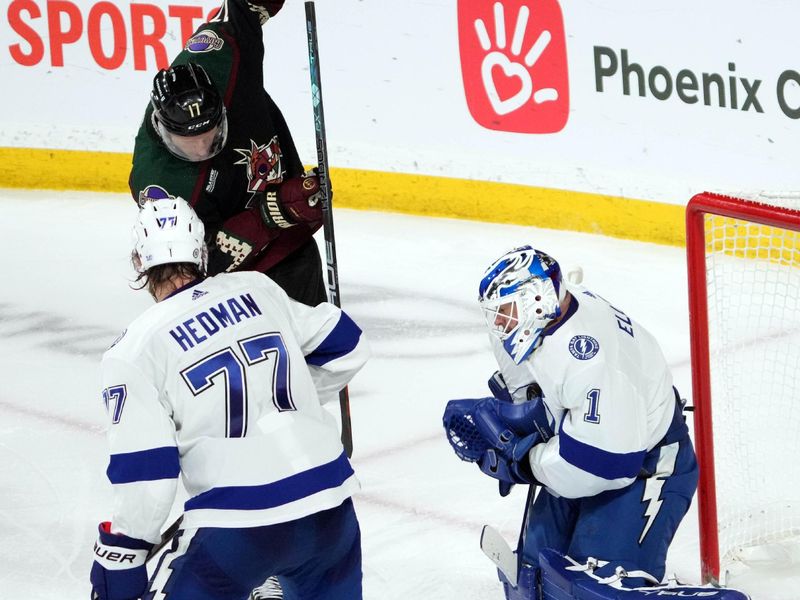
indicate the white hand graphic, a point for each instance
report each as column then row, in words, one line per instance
column 510, row 66
column 511, row 69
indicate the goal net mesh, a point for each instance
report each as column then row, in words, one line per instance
column 753, row 292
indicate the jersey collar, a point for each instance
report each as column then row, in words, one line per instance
column 191, row 284
column 571, row 309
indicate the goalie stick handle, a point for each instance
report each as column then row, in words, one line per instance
column 496, row 548
column 327, row 209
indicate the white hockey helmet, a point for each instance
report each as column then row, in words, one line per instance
column 168, row 231
column 520, row 294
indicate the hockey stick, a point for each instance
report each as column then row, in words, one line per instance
column 166, row 537
column 325, row 187
column 496, row 548
column 500, row 553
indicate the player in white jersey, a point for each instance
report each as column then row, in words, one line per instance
column 584, row 406
column 222, row 382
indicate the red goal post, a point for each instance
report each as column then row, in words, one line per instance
column 745, row 245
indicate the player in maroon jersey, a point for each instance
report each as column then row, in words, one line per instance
column 213, row 136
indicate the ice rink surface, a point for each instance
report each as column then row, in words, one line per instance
column 410, row 282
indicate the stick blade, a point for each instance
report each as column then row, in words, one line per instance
column 499, row 552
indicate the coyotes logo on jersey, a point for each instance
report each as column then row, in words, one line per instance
column 263, row 164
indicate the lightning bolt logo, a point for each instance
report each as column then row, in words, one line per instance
column 653, row 485
column 651, row 495
column 584, row 347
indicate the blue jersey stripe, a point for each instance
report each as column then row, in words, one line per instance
column 340, row 341
column 146, row 465
column 602, row 463
column 277, row 493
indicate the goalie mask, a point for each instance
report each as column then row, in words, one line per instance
column 520, row 294
column 168, row 231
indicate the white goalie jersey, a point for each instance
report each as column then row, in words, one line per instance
column 223, row 383
column 608, row 389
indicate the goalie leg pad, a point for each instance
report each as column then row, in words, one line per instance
column 550, row 523
column 639, row 522
column 566, row 579
column 527, row 587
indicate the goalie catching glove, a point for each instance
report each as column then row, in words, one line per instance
column 507, row 458
column 498, row 435
column 296, row 200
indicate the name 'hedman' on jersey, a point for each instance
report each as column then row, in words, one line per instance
column 204, row 424
column 213, row 320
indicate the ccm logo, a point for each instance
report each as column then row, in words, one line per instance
column 111, row 556
column 514, row 64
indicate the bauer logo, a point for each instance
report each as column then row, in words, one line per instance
column 514, row 64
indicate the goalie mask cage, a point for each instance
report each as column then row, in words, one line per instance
column 744, row 305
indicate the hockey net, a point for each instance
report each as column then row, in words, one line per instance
column 744, row 295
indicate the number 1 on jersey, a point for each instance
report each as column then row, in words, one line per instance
column 593, row 416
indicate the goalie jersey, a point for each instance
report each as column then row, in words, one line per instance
column 608, row 389
column 223, row 383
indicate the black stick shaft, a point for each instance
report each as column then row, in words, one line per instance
column 166, row 537
column 327, row 210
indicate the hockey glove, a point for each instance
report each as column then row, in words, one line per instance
column 498, row 387
column 265, row 8
column 296, row 200
column 524, row 418
column 118, row 571
column 468, row 443
column 507, row 457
